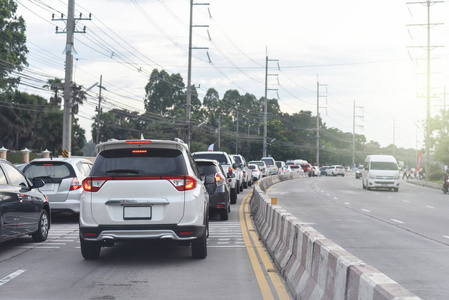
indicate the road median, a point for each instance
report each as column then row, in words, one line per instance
column 313, row 266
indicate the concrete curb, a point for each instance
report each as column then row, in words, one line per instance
column 313, row 266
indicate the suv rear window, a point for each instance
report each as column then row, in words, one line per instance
column 221, row 158
column 141, row 162
column 50, row 172
column 237, row 159
column 268, row 161
column 207, row 168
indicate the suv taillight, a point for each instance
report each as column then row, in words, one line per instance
column 182, row 183
column 219, row 179
column 94, row 184
column 230, row 170
column 75, row 184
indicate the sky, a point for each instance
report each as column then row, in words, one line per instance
column 368, row 58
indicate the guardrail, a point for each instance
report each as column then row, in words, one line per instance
column 313, row 266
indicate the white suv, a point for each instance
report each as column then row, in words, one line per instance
column 144, row 189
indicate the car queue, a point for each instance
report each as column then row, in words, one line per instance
column 174, row 192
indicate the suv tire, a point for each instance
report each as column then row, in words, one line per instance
column 41, row 233
column 199, row 246
column 90, row 250
column 234, row 196
column 224, row 215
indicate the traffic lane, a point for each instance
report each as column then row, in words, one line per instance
column 417, row 262
column 421, row 210
column 138, row 269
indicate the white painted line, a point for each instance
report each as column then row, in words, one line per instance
column 328, row 194
column 11, row 276
column 365, row 210
column 428, row 206
column 406, row 201
column 335, row 198
column 347, row 203
column 397, row 221
column 445, row 236
column 55, row 244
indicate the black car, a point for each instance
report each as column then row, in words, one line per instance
column 24, row 210
column 358, row 172
column 219, row 193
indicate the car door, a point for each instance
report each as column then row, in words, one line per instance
column 24, row 204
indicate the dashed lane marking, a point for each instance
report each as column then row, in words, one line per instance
column 397, row 221
column 11, row 276
column 365, row 210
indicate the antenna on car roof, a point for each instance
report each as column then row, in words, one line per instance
column 141, row 137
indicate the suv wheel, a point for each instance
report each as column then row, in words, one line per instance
column 199, row 246
column 245, row 184
column 41, row 233
column 90, row 250
column 234, row 196
column 224, row 214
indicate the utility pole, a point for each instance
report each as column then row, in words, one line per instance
column 189, row 72
column 219, row 132
column 266, row 104
column 67, row 114
column 237, row 132
column 354, row 116
column 428, row 48
column 394, row 136
column 99, row 110
column 318, row 120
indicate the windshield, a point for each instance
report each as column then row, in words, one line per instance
column 383, row 165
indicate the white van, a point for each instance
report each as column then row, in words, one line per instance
column 380, row 171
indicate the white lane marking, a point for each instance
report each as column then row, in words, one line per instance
column 397, row 221
column 328, row 194
column 11, row 276
column 389, row 197
column 445, row 236
column 365, row 210
column 347, row 203
column 335, row 198
column 406, row 201
column 428, row 206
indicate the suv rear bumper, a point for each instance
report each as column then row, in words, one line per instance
column 172, row 232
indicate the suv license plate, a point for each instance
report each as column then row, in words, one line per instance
column 137, row 212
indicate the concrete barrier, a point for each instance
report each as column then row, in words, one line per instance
column 313, row 266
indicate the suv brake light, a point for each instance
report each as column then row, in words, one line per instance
column 219, row 179
column 230, row 170
column 181, row 183
column 94, row 184
column 75, row 184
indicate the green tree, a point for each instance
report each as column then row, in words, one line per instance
column 12, row 44
column 55, row 85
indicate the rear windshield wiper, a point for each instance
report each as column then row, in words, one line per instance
column 123, row 171
column 46, row 178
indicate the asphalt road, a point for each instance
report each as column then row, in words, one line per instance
column 55, row 269
column 403, row 234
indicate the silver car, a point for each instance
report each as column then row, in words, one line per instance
column 63, row 178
